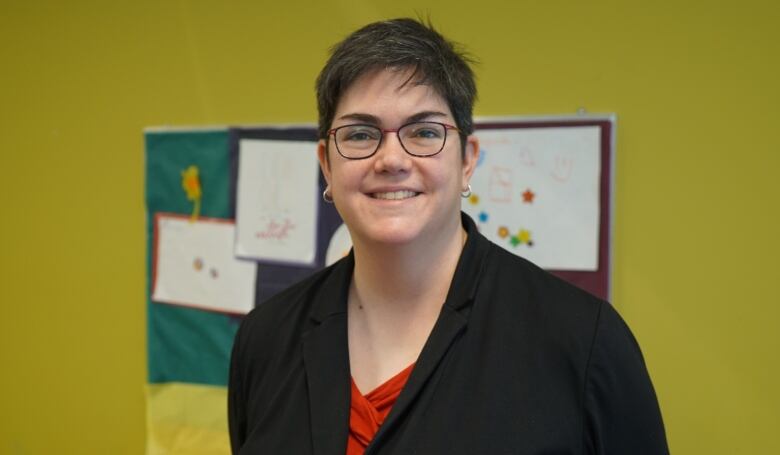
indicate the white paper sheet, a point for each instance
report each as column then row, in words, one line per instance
column 195, row 266
column 536, row 194
column 276, row 207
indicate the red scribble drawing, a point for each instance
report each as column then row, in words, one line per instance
column 562, row 169
column 278, row 231
column 526, row 157
column 501, row 185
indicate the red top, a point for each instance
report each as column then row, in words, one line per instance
column 366, row 413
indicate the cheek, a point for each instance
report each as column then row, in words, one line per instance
column 345, row 176
column 446, row 175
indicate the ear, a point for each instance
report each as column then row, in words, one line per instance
column 322, row 156
column 470, row 158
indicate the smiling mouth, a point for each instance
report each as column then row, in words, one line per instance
column 394, row 195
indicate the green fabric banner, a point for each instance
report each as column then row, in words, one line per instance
column 186, row 344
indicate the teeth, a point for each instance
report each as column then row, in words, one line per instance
column 404, row 194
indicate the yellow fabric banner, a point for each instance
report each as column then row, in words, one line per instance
column 186, row 419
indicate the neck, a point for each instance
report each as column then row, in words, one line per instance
column 395, row 298
column 406, row 277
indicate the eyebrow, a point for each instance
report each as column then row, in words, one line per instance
column 374, row 120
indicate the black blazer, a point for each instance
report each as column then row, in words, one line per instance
column 518, row 362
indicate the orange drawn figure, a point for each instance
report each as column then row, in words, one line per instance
column 526, row 157
column 503, row 232
column 190, row 182
column 501, row 184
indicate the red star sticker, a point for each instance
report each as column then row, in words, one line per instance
column 528, row 196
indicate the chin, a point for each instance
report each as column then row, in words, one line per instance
column 393, row 232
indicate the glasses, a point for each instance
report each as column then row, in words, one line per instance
column 357, row 142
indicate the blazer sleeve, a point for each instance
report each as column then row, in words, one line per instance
column 236, row 405
column 621, row 409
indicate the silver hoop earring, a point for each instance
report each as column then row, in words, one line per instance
column 326, row 195
column 467, row 192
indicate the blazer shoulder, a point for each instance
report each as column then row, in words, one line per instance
column 621, row 408
column 538, row 305
column 537, row 284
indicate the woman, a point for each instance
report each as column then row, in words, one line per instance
column 427, row 338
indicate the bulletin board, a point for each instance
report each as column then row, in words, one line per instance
column 235, row 215
column 543, row 189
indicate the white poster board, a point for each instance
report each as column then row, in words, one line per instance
column 277, row 200
column 194, row 265
column 535, row 192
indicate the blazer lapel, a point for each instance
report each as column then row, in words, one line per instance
column 326, row 360
column 327, row 375
column 447, row 328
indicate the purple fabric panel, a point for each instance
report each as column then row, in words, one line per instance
column 275, row 277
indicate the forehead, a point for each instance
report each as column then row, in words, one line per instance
column 390, row 95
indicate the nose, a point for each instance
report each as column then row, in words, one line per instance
column 391, row 156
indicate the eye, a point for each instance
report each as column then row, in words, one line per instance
column 359, row 134
column 424, row 131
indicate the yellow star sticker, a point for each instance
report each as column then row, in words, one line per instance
column 524, row 235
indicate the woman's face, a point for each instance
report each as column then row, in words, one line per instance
column 428, row 206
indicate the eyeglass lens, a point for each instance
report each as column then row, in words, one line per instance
column 419, row 138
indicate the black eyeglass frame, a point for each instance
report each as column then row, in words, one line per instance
column 447, row 128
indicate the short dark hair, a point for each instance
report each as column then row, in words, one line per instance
column 400, row 44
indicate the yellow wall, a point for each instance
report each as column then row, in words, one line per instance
column 696, row 229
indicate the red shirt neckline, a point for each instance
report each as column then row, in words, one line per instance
column 367, row 412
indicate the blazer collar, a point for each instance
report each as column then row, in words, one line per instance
column 326, row 360
column 469, row 269
column 332, row 298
